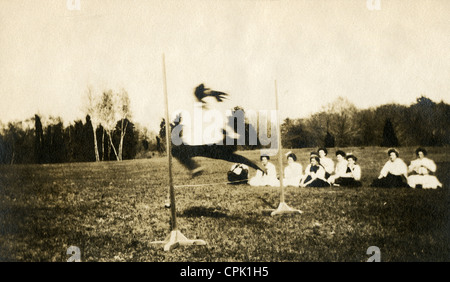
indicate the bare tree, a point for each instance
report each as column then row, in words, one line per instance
column 124, row 113
column 113, row 107
column 340, row 121
column 107, row 115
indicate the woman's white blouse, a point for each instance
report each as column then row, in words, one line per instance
column 397, row 167
column 418, row 165
column 356, row 172
column 271, row 170
column 341, row 168
column 319, row 174
column 328, row 164
column 293, row 170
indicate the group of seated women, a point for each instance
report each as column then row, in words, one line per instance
column 419, row 174
column 322, row 171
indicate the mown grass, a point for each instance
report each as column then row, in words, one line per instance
column 113, row 211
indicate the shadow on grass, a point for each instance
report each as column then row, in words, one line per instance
column 267, row 203
column 203, row 211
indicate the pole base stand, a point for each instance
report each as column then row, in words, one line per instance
column 283, row 208
column 175, row 239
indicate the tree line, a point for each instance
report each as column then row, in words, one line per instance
column 21, row 144
column 341, row 124
column 108, row 133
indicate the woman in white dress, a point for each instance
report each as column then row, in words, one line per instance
column 293, row 171
column 326, row 162
column 268, row 177
column 341, row 166
column 421, row 172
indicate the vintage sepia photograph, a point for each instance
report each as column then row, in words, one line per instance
column 300, row 131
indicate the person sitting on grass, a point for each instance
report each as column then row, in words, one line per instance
column 293, row 171
column 268, row 177
column 326, row 162
column 421, row 172
column 394, row 173
column 341, row 167
column 314, row 174
column 352, row 175
column 238, row 174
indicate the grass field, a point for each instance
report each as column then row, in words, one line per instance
column 113, row 211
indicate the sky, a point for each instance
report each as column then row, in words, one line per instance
column 315, row 50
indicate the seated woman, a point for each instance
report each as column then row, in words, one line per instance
column 341, row 167
column 293, row 171
column 393, row 173
column 352, row 175
column 266, row 178
column 326, row 162
column 238, row 174
column 314, row 174
column 421, row 172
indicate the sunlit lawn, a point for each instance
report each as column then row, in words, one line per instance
column 113, row 211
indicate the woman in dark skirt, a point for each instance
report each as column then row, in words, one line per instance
column 314, row 174
column 352, row 176
column 238, row 174
column 394, row 173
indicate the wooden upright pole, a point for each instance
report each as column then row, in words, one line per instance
column 175, row 238
column 283, row 208
column 280, row 148
column 169, row 150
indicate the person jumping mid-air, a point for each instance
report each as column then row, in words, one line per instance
column 218, row 147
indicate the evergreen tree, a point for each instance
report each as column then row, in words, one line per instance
column 329, row 140
column 3, row 150
column 88, row 141
column 389, row 136
column 58, row 154
column 38, row 140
